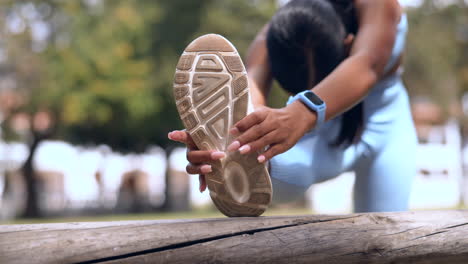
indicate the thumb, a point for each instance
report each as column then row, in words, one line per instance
column 202, row 183
column 184, row 137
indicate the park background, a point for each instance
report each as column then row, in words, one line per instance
column 86, row 104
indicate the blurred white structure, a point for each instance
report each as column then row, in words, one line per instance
column 439, row 177
column 83, row 188
column 113, row 167
column 154, row 163
column 76, row 166
column 12, row 157
column 178, row 162
column 465, row 175
column 94, row 176
column 149, row 168
column 332, row 196
column 437, row 185
column 82, row 178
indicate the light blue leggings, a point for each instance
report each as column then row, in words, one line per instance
column 383, row 160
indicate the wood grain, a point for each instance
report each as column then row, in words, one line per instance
column 410, row 237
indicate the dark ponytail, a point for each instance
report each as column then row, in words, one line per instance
column 352, row 120
column 299, row 29
column 347, row 14
column 318, row 28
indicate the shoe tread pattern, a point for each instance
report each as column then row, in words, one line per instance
column 211, row 92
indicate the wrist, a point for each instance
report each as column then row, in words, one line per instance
column 256, row 106
column 304, row 114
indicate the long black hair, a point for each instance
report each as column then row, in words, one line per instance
column 313, row 29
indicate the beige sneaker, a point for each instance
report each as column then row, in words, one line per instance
column 211, row 92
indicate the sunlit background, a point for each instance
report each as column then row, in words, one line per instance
column 86, row 104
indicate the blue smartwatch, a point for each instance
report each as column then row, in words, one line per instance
column 314, row 103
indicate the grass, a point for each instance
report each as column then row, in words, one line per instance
column 196, row 214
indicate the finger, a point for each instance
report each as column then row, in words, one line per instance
column 271, row 152
column 254, row 133
column 249, row 121
column 177, row 135
column 184, row 137
column 204, row 156
column 198, row 168
column 259, row 144
column 202, row 180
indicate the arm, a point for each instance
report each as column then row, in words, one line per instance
column 280, row 129
column 370, row 53
column 258, row 69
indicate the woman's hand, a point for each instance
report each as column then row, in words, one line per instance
column 280, row 129
column 199, row 159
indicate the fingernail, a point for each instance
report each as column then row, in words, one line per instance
column 261, row 159
column 244, row 149
column 234, row 146
column 234, row 131
column 169, row 135
column 218, row 155
column 205, row 169
column 173, row 135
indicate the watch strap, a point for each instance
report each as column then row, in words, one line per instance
column 319, row 109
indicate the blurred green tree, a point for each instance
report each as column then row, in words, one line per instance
column 22, row 68
column 436, row 59
column 105, row 70
column 101, row 81
column 111, row 63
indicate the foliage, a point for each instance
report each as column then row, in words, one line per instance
column 109, row 64
column 436, row 57
column 105, row 71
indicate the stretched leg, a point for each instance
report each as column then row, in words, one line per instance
column 291, row 171
column 383, row 159
column 310, row 161
column 383, row 182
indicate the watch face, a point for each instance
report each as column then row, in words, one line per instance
column 313, row 98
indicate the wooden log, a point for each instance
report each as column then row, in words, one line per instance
column 409, row 237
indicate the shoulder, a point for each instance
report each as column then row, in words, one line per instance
column 389, row 7
column 386, row 3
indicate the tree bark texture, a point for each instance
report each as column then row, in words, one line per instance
column 408, row 237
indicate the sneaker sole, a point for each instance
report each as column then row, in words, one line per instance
column 211, row 92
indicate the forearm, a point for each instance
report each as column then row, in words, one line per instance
column 353, row 79
column 258, row 96
column 347, row 85
column 258, row 69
